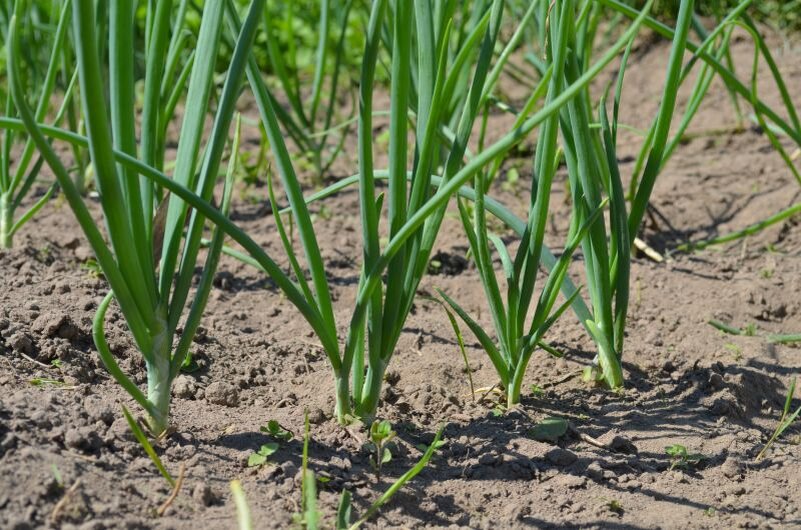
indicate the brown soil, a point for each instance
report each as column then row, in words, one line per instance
column 718, row 395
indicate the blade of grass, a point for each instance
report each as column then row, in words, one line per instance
column 145, row 443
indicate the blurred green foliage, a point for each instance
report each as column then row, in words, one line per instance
column 295, row 25
column 35, row 37
column 784, row 15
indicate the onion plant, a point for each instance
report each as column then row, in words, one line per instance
column 42, row 19
column 148, row 261
column 761, row 51
column 16, row 184
column 590, row 155
column 360, row 367
column 592, row 166
column 519, row 327
column 594, row 178
column 789, row 126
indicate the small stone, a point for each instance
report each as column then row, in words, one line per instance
column 121, row 429
column 222, row 394
column 85, row 439
column 92, row 525
column 342, row 463
column 487, row 459
column 654, row 338
column 570, row 481
column 731, row 468
column 67, row 330
column 595, row 471
column 98, row 409
column 21, row 342
column 70, row 242
column 720, row 407
column 72, row 438
column 679, row 476
column 716, row 381
column 736, row 491
column 560, row 457
column 316, row 416
column 618, row 443
column 84, row 253
column 289, row 469
column 184, row 387
column 19, row 524
column 633, row 485
column 55, row 325
column 9, row 442
column 223, row 280
column 204, row 495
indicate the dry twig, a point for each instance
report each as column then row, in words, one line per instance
column 178, row 483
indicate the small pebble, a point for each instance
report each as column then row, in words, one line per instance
column 203, row 494
column 316, row 416
column 221, row 393
column 595, row 471
column 560, row 457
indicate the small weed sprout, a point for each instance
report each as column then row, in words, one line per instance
column 736, row 350
column 784, row 422
column 46, row 381
column 261, row 457
column 380, row 434
column 681, row 458
column 92, row 268
column 549, row 430
column 57, row 475
column 274, row 429
column 615, row 506
column 190, row 364
column 309, row 518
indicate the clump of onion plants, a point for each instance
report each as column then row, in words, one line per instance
column 521, row 323
column 589, row 152
column 415, row 200
column 419, row 43
column 414, row 212
column 588, row 148
column 589, row 145
column 151, row 244
column 590, row 155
